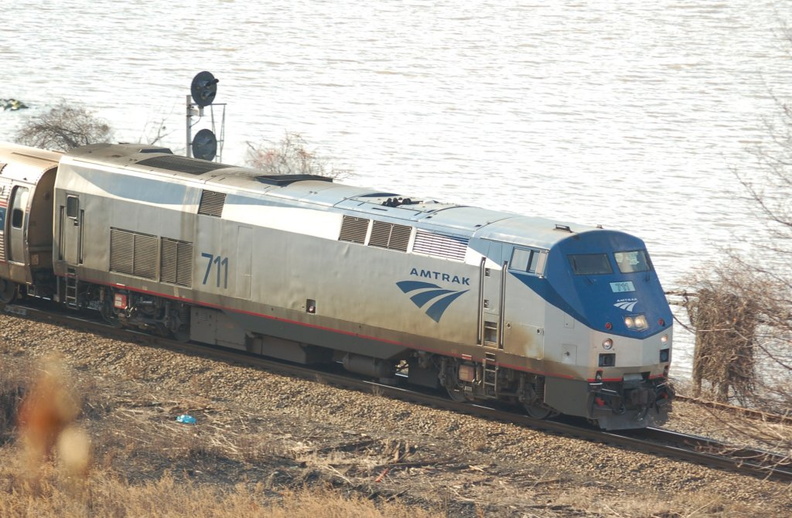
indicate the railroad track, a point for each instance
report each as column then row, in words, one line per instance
column 656, row 441
column 738, row 410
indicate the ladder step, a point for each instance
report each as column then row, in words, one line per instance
column 71, row 287
column 490, row 372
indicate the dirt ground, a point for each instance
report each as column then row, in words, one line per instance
column 274, row 435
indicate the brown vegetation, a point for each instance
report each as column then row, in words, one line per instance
column 265, row 445
column 64, row 127
column 49, row 473
column 725, row 337
column 47, row 426
column 742, row 313
column 289, row 156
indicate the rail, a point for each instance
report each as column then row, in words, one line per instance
column 656, row 441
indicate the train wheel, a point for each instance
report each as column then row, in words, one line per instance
column 539, row 412
column 8, row 291
column 182, row 334
column 457, row 395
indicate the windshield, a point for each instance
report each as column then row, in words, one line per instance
column 590, row 264
column 633, row 261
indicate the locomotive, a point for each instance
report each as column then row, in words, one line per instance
column 558, row 318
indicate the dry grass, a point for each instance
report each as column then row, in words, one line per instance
column 53, row 469
column 103, row 494
column 609, row 503
column 263, row 459
column 12, row 389
column 46, row 418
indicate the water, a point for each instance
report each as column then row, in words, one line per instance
column 620, row 113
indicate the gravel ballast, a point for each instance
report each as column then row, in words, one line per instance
column 255, row 427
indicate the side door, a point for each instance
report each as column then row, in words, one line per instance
column 244, row 259
column 524, row 313
column 71, row 224
column 15, row 252
column 491, row 297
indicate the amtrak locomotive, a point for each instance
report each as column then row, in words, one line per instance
column 556, row 317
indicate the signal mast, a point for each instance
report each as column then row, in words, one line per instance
column 205, row 145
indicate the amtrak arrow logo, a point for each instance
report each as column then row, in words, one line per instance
column 426, row 293
column 626, row 304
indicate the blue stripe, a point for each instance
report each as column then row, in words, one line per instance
column 408, row 286
column 422, row 298
column 437, row 309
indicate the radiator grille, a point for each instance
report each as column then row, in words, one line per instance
column 390, row 236
column 212, row 203
column 354, row 229
column 176, row 262
column 133, row 254
column 439, row 245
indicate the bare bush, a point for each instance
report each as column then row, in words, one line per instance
column 725, row 340
column 742, row 313
column 289, row 156
column 64, row 127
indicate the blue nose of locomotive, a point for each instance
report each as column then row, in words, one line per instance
column 606, row 280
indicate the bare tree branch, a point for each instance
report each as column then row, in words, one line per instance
column 64, row 127
column 289, row 156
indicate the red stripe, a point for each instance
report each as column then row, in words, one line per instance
column 338, row 331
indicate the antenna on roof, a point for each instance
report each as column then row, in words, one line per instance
column 202, row 92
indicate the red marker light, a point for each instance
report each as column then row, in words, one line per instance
column 661, row 322
column 608, row 325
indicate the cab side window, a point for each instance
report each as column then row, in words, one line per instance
column 528, row 260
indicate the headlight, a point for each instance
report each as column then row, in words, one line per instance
column 607, row 344
column 637, row 322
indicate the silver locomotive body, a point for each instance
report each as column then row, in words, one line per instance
column 487, row 304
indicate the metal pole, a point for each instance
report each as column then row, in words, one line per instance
column 187, row 150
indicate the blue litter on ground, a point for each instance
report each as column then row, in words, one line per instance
column 186, row 419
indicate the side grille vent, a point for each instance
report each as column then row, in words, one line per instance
column 354, row 229
column 133, row 254
column 390, row 236
column 176, row 262
column 439, row 245
column 212, row 203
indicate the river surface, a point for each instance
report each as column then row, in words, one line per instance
column 633, row 115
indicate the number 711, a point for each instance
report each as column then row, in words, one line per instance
column 221, row 264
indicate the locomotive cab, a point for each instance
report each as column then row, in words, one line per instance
column 606, row 281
